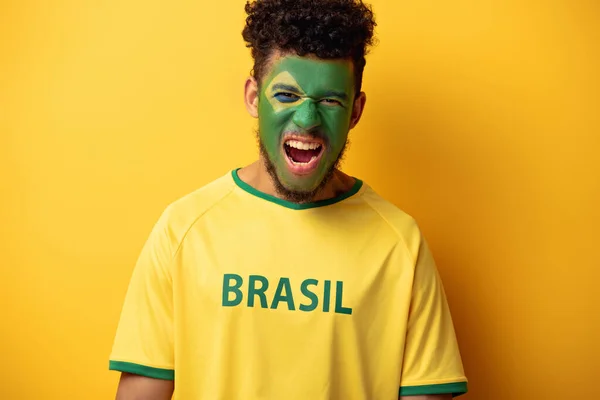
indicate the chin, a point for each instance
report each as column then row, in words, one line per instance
column 306, row 183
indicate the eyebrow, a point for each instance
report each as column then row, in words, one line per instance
column 287, row 88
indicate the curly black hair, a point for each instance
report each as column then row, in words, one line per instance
column 327, row 29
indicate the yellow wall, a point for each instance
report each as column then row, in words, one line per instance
column 482, row 122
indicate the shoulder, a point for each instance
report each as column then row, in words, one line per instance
column 399, row 221
column 181, row 214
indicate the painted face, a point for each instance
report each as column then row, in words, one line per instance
column 305, row 110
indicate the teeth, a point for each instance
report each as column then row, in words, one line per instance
column 302, row 145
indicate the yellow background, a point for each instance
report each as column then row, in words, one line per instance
column 482, row 121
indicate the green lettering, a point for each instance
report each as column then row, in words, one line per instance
column 326, row 296
column 227, row 288
column 314, row 300
column 339, row 291
column 283, row 283
column 260, row 292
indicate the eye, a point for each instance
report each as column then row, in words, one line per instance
column 285, row 97
column 331, row 102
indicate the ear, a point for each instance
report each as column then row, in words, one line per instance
column 357, row 109
column 251, row 96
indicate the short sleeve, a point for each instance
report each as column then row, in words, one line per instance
column 143, row 344
column 432, row 363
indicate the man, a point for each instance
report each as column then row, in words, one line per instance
column 288, row 279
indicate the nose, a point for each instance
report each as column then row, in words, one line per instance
column 307, row 116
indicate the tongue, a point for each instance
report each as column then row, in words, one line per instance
column 302, row 156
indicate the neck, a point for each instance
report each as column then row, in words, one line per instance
column 257, row 176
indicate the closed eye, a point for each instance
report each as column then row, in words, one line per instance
column 285, row 97
column 331, row 102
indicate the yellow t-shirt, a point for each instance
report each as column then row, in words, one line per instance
column 239, row 295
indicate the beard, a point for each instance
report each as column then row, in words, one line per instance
column 296, row 196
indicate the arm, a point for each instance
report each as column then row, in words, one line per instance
column 432, row 367
column 143, row 348
column 136, row 387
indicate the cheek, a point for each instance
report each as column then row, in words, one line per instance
column 271, row 122
column 271, row 127
column 338, row 124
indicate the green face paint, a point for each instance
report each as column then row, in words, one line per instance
column 309, row 101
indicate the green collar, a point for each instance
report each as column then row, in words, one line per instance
column 295, row 206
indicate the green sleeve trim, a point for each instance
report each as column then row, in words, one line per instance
column 137, row 369
column 456, row 389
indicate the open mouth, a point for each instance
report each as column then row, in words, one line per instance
column 302, row 155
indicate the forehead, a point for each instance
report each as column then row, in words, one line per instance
column 312, row 74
